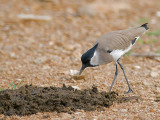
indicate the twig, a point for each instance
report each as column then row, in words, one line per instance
column 145, row 54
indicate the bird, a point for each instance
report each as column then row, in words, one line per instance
column 111, row 47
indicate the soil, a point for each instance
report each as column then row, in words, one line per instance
column 30, row 99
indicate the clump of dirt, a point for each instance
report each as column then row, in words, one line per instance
column 128, row 99
column 30, row 99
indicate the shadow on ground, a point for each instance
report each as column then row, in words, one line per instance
column 30, row 99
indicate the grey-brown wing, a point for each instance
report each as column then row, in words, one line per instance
column 119, row 39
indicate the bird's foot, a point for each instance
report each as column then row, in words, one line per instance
column 130, row 90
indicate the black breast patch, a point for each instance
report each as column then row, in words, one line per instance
column 133, row 41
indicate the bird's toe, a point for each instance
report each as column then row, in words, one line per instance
column 130, row 90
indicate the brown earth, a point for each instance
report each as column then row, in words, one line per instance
column 30, row 99
column 42, row 53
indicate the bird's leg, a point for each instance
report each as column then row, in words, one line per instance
column 130, row 89
column 116, row 73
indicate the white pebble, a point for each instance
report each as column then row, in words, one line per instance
column 74, row 72
column 137, row 67
column 158, row 13
column 154, row 74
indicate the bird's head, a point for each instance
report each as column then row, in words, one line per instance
column 86, row 58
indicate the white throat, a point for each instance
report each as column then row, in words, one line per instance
column 95, row 59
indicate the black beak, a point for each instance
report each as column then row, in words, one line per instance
column 82, row 68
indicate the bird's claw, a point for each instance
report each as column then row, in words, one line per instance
column 130, row 90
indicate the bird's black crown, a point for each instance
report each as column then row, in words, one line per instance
column 86, row 57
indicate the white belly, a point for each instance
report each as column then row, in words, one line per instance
column 116, row 54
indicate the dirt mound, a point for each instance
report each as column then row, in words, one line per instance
column 31, row 99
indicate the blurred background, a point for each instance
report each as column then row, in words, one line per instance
column 42, row 40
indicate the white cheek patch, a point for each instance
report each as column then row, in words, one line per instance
column 95, row 59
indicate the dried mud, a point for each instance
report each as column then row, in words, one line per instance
column 30, row 99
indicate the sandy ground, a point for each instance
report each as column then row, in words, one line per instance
column 42, row 52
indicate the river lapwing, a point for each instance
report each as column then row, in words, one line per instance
column 111, row 47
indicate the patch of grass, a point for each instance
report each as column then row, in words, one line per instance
column 155, row 33
column 148, row 41
column 140, row 41
column 143, row 20
column 155, row 40
column 14, row 86
column 2, row 89
column 157, row 51
column 151, row 41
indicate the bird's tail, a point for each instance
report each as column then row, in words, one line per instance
column 145, row 26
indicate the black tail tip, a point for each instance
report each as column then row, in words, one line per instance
column 145, row 26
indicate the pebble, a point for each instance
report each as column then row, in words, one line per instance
column 154, row 74
column 74, row 72
column 146, row 83
column 123, row 110
column 115, row 110
column 13, row 55
column 40, row 60
column 45, row 67
column 137, row 67
column 158, row 13
column 75, row 75
column 76, row 87
column 19, row 79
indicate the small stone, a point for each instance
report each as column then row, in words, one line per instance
column 45, row 67
column 137, row 67
column 75, row 75
column 115, row 110
column 153, row 21
column 51, row 43
column 154, row 74
column 69, row 47
column 6, row 28
column 13, row 55
column 70, row 10
column 76, row 87
column 123, row 110
column 19, row 79
column 158, row 13
column 74, row 72
column 146, row 83
column 40, row 60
